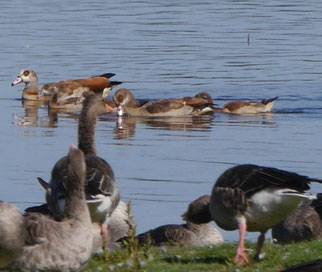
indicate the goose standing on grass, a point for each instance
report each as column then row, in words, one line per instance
column 253, row 198
column 102, row 194
column 248, row 107
column 12, row 236
column 60, row 246
column 187, row 106
column 63, row 89
column 188, row 234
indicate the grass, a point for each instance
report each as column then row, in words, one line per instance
column 219, row 258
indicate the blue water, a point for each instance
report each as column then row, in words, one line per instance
column 231, row 49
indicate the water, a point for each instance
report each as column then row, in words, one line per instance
column 231, row 49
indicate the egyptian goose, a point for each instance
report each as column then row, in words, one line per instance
column 60, row 246
column 12, row 236
column 102, row 193
column 187, row 106
column 304, row 224
column 62, row 88
column 252, row 198
column 188, row 234
column 248, row 107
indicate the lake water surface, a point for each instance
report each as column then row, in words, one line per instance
column 232, row 49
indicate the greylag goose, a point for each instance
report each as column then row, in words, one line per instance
column 12, row 236
column 248, row 107
column 304, row 224
column 65, row 245
column 69, row 88
column 101, row 190
column 252, row 198
column 188, row 234
column 187, row 106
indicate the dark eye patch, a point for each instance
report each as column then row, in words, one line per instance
column 26, row 73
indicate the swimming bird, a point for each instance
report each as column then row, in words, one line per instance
column 12, row 235
column 248, row 107
column 102, row 193
column 60, row 246
column 304, row 224
column 187, row 106
column 69, row 88
column 253, row 198
column 188, row 234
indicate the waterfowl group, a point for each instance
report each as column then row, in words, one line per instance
column 83, row 210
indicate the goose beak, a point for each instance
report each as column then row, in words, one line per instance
column 17, row 81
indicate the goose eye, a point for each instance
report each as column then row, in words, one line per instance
column 26, row 73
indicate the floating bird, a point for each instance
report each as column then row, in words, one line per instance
column 248, row 107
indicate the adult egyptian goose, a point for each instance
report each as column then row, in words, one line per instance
column 69, row 88
column 66, row 245
column 253, row 198
column 188, row 234
column 304, row 224
column 12, row 235
column 187, row 106
column 248, row 107
column 102, row 193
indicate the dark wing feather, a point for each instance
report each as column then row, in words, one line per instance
column 253, row 178
column 99, row 176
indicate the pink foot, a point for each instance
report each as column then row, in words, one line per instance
column 105, row 235
column 241, row 257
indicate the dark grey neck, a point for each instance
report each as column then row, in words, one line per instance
column 86, row 131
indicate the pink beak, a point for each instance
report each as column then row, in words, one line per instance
column 17, row 81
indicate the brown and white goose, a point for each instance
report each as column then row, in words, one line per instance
column 12, row 235
column 188, row 234
column 248, row 107
column 66, row 90
column 60, row 246
column 102, row 193
column 187, row 106
column 253, row 198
